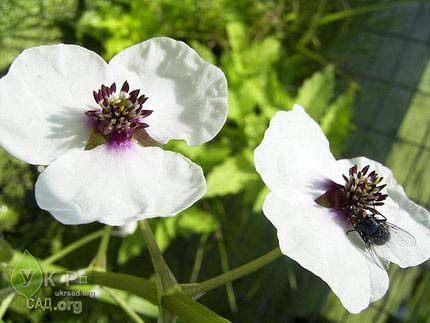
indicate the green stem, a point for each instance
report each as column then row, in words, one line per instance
column 5, row 304
column 176, row 302
column 221, row 280
column 182, row 305
column 226, row 268
column 99, row 261
column 72, row 247
column 199, row 258
column 126, row 308
column 358, row 11
column 167, row 278
column 310, row 33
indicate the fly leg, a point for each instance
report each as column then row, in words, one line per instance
column 384, row 218
column 349, row 231
column 375, row 212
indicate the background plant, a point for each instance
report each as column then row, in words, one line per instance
column 274, row 54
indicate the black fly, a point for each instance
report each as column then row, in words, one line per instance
column 378, row 235
column 357, row 200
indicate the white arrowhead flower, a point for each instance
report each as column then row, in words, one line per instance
column 126, row 229
column 54, row 98
column 313, row 207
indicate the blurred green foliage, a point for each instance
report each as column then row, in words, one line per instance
column 273, row 54
column 16, row 179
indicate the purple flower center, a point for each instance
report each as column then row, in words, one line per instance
column 120, row 114
column 359, row 193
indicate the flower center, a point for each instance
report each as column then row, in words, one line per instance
column 360, row 192
column 120, row 114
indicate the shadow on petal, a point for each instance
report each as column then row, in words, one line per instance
column 71, row 126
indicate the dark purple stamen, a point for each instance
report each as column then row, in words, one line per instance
column 359, row 192
column 125, row 87
column 142, row 99
column 121, row 114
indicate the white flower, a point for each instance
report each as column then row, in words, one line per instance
column 125, row 230
column 295, row 162
column 53, row 100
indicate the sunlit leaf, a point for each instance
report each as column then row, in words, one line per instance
column 131, row 247
column 317, row 91
column 230, row 177
column 237, row 36
column 195, row 220
column 337, row 121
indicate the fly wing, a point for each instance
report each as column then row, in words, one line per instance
column 370, row 248
column 378, row 260
column 400, row 236
column 397, row 244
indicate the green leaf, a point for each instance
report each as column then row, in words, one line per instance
column 237, row 36
column 195, row 220
column 336, row 122
column 244, row 99
column 6, row 251
column 420, row 296
column 235, row 109
column 9, row 217
column 206, row 156
column 254, row 128
column 258, row 204
column 317, row 91
column 12, row 169
column 262, row 55
column 165, row 232
column 27, row 23
column 230, row 177
column 278, row 96
column 131, row 247
column 191, row 221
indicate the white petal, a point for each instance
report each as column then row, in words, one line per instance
column 379, row 281
column 126, row 229
column 316, row 238
column 119, row 186
column 402, row 212
column 294, row 153
column 188, row 95
column 43, row 99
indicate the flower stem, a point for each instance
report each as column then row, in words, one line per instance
column 226, row 268
column 182, row 305
column 123, row 304
column 221, row 280
column 72, row 247
column 166, row 281
column 199, row 258
column 99, row 261
column 167, row 278
column 332, row 17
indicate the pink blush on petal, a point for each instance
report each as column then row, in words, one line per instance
column 118, row 147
